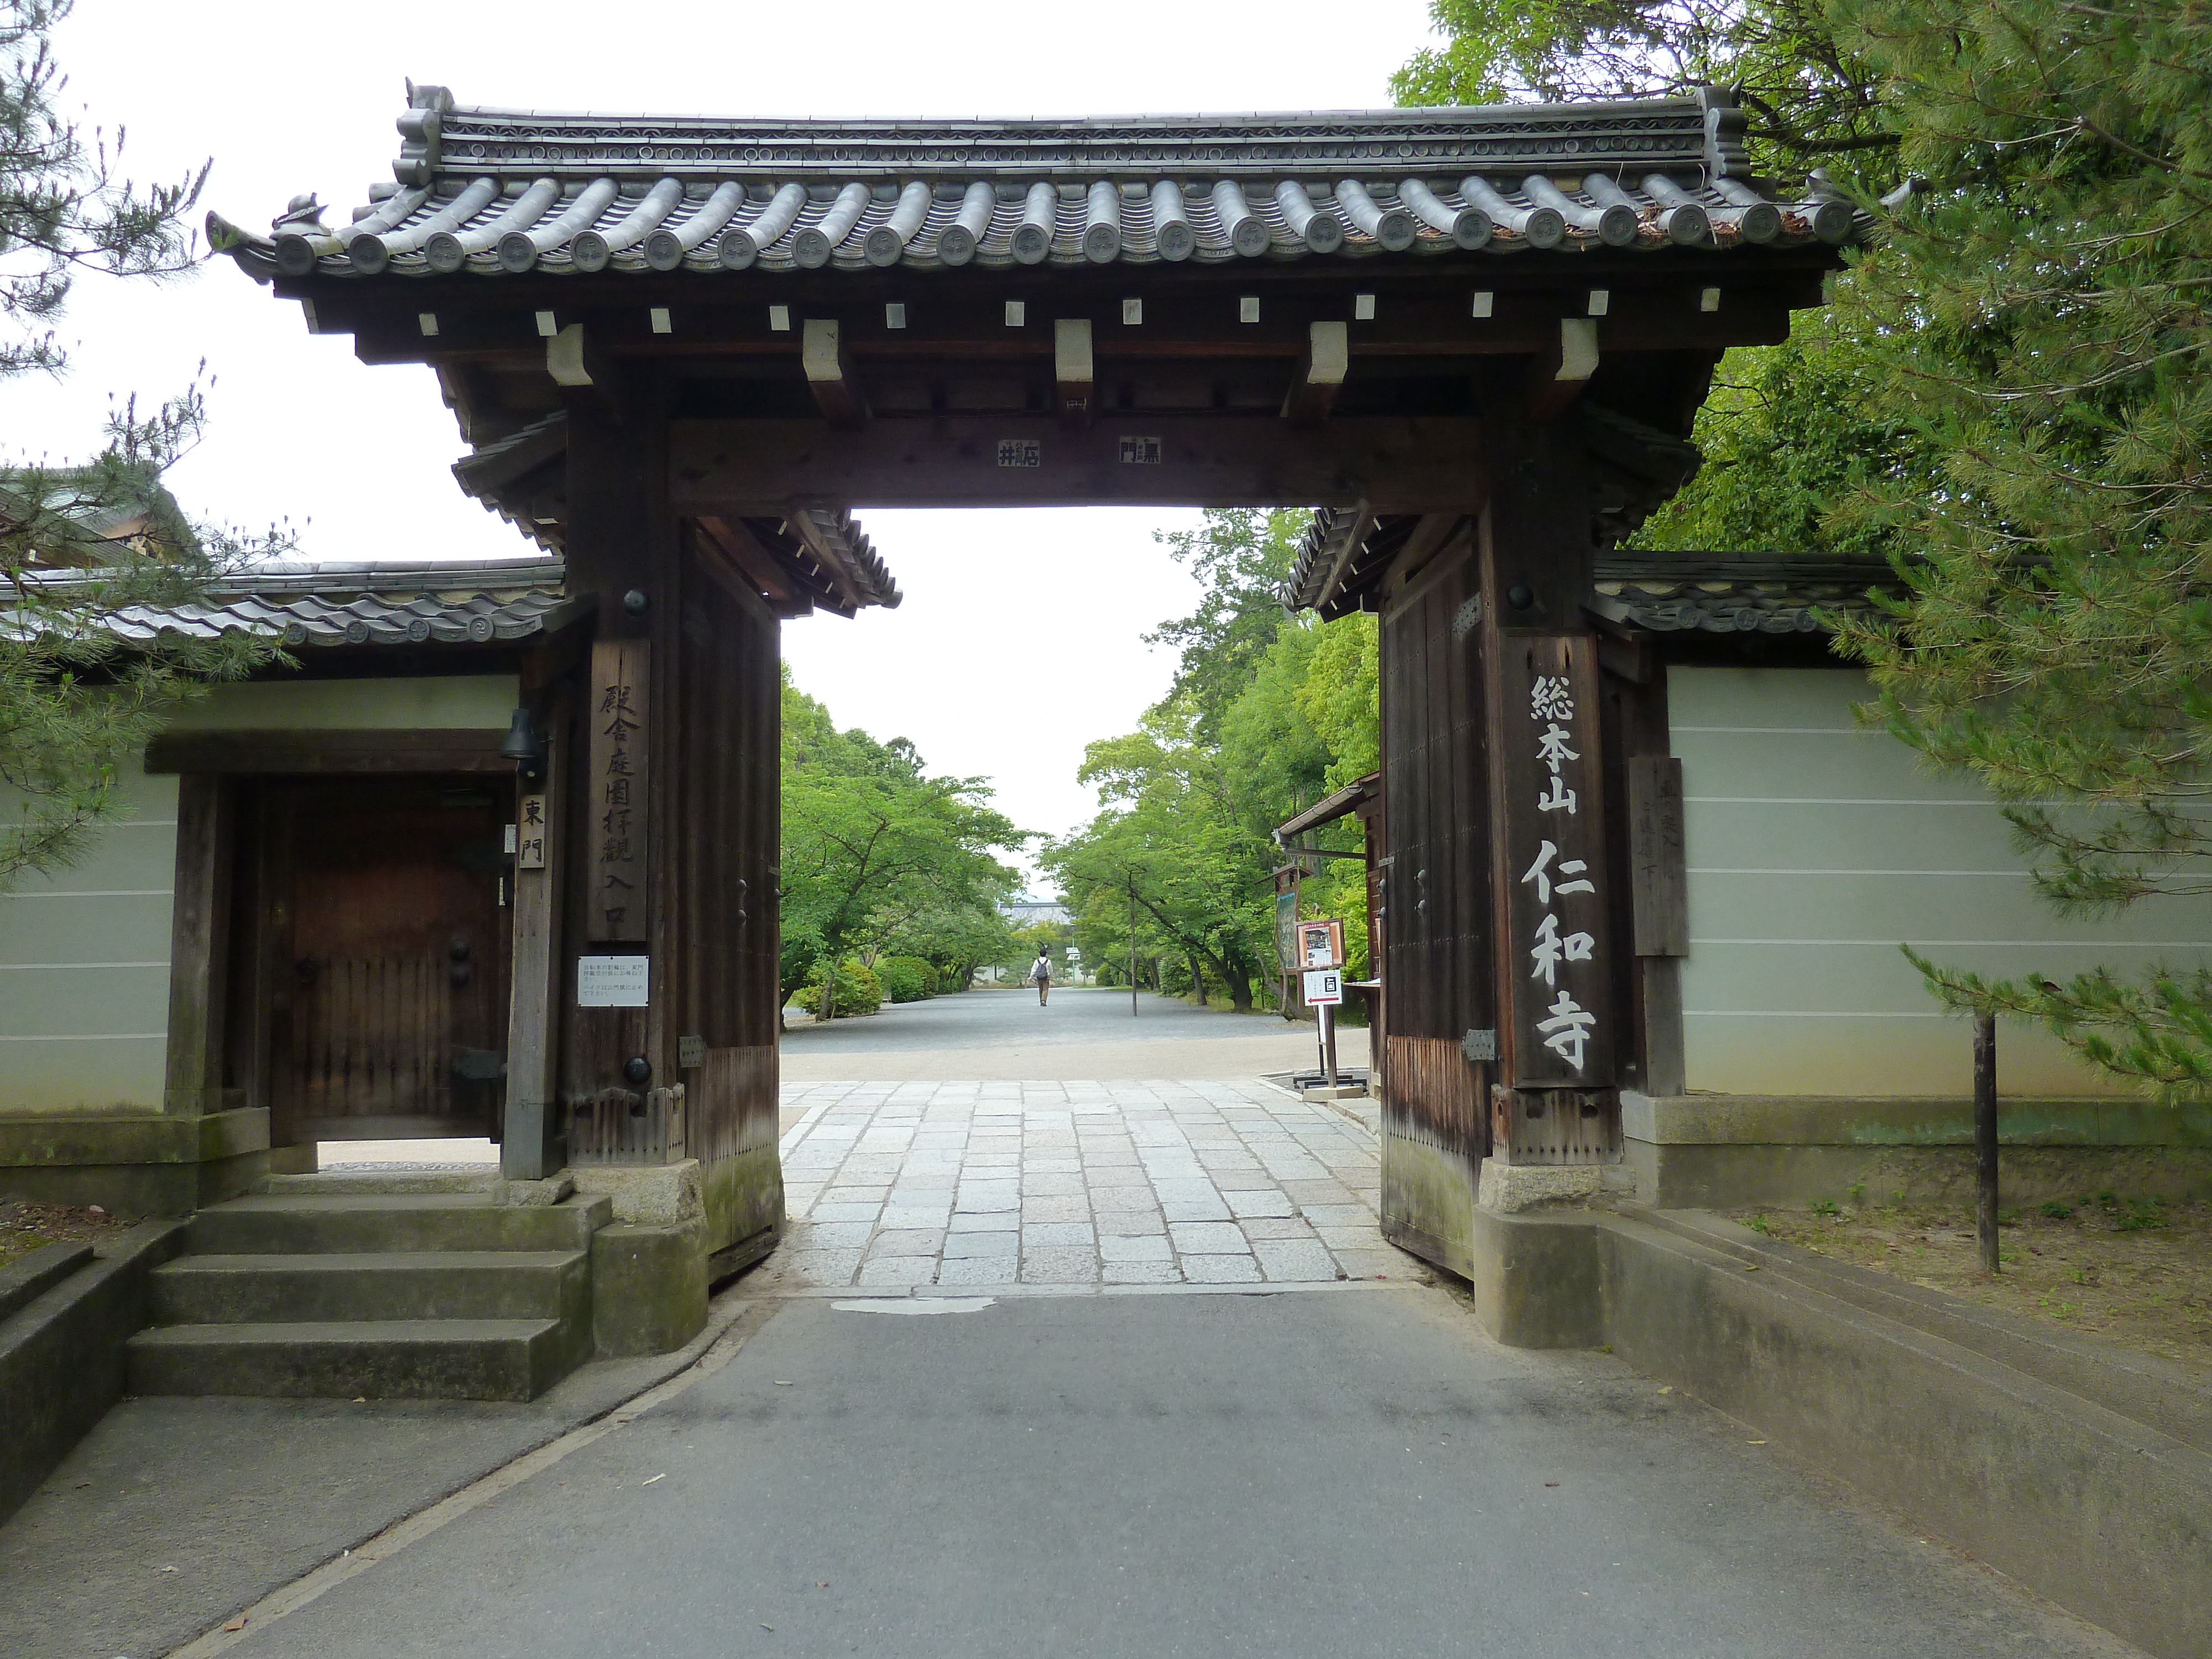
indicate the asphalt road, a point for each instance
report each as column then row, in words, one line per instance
column 1351, row 1471
column 1080, row 1033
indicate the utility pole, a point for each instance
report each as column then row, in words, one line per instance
column 1132, row 947
column 1986, row 1138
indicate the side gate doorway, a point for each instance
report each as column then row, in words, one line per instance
column 379, row 956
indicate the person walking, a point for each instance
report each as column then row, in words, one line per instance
column 1041, row 976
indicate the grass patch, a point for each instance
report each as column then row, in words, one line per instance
column 2136, row 1270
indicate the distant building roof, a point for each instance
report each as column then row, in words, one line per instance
column 425, row 601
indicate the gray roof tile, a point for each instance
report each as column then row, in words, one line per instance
column 498, row 192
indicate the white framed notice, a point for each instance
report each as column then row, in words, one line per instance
column 611, row 981
column 1324, row 988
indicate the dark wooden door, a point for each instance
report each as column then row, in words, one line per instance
column 1434, row 902
column 392, row 968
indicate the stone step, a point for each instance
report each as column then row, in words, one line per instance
column 278, row 1223
column 373, row 1284
column 394, row 1181
column 377, row 1359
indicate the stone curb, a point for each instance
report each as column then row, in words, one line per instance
column 62, row 1348
column 2051, row 1482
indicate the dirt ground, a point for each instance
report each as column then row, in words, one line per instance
column 25, row 1226
column 2137, row 1271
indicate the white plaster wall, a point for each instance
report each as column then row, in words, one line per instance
column 84, row 953
column 84, row 969
column 1815, row 847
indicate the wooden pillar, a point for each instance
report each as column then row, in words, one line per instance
column 1560, row 1024
column 533, row 1144
column 621, row 550
column 199, row 946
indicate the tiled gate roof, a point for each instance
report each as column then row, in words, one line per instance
column 490, row 191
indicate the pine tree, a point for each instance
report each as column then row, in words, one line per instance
column 2038, row 303
column 81, row 545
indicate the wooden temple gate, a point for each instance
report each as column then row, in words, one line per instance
column 679, row 349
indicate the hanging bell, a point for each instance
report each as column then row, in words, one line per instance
column 522, row 745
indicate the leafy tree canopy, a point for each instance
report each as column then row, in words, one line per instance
column 78, row 544
column 1810, row 98
column 878, row 855
column 1267, row 713
column 2038, row 303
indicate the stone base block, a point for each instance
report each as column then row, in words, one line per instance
column 550, row 1190
column 649, row 1286
column 1510, row 1188
column 134, row 1163
column 650, row 1194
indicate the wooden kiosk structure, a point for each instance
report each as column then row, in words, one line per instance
column 1476, row 337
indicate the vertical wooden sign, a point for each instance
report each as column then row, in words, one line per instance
column 620, row 830
column 1558, row 980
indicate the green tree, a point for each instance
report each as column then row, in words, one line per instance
column 1242, row 557
column 2038, row 305
column 874, row 845
column 79, row 544
column 1267, row 713
column 1171, row 839
column 1789, row 433
column 1790, row 429
column 1809, row 97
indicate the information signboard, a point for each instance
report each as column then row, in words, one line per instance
column 1321, row 945
column 1324, row 988
column 611, row 981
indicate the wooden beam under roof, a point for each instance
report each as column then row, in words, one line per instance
column 1401, row 464
column 760, row 570
column 1421, row 316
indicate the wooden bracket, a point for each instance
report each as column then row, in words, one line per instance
column 574, row 360
column 1321, row 373
column 830, row 374
column 1074, row 376
column 1559, row 374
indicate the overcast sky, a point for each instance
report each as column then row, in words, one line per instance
column 1018, row 641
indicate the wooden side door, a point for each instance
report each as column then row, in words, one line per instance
column 1433, row 899
column 391, row 960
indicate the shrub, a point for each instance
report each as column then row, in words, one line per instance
column 907, row 979
column 858, row 991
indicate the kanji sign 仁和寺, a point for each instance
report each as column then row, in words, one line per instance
column 1556, row 914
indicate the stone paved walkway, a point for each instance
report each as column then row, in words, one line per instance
column 997, row 1184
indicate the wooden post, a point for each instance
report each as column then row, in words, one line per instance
column 199, row 950
column 619, row 553
column 1986, row 1138
column 531, row 1145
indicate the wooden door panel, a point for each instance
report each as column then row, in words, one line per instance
column 1434, row 900
column 396, row 961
